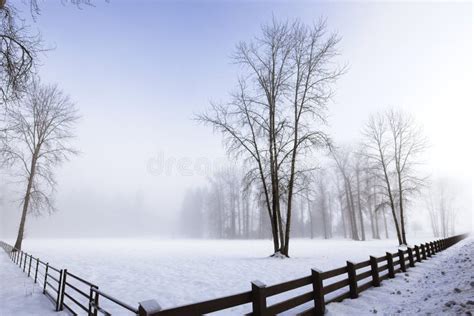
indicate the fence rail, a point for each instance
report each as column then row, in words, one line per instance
column 66, row 290
column 79, row 296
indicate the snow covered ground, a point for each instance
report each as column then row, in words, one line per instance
column 443, row 285
column 176, row 272
column 19, row 295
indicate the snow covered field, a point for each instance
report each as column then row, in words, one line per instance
column 19, row 295
column 176, row 272
column 443, row 285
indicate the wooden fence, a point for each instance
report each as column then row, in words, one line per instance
column 67, row 290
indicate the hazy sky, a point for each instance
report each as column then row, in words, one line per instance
column 139, row 70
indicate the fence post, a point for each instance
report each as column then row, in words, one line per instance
column 428, row 250
column 423, row 251
column 63, row 289
column 374, row 271
column 91, row 301
column 318, row 290
column 402, row 260
column 433, row 248
column 24, row 262
column 148, row 308
column 391, row 274
column 45, row 277
column 259, row 300
column 58, row 297
column 21, row 258
column 351, row 272
column 410, row 257
column 29, row 267
column 36, row 270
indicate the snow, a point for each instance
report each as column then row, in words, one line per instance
column 177, row 272
column 18, row 294
column 443, row 284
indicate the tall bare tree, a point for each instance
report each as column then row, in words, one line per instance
column 394, row 143
column 37, row 135
column 408, row 144
column 440, row 198
column 343, row 160
column 276, row 116
column 378, row 150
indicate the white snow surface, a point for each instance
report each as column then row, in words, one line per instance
column 178, row 272
column 442, row 285
column 19, row 295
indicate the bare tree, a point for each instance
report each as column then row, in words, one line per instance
column 275, row 117
column 343, row 160
column 440, row 198
column 394, row 143
column 378, row 148
column 36, row 140
column 408, row 144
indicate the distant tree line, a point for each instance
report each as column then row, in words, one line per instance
column 360, row 191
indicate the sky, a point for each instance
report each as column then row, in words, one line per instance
column 139, row 71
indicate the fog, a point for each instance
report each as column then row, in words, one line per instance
column 139, row 74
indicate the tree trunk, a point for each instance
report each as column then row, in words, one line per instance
column 385, row 224
column 392, row 204
column 26, row 202
column 351, row 208
column 359, row 206
column 402, row 216
column 323, row 210
column 310, row 215
column 343, row 217
column 329, row 208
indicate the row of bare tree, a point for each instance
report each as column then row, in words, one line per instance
column 275, row 121
column 353, row 190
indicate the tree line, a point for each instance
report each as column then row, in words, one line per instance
column 350, row 193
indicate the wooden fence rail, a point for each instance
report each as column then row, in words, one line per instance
column 324, row 287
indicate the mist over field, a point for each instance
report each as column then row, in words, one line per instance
column 141, row 149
